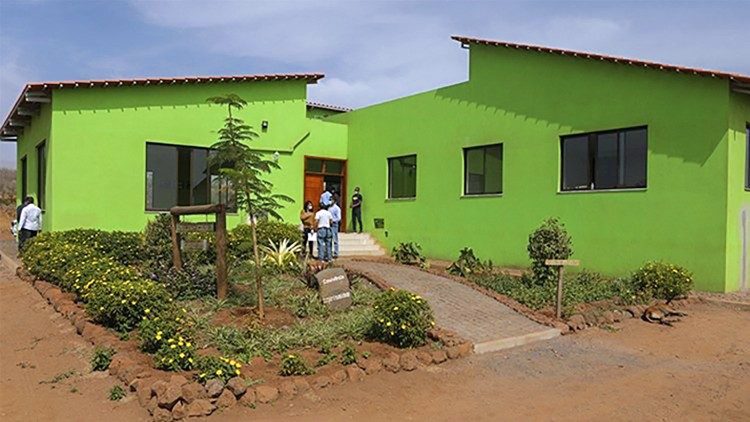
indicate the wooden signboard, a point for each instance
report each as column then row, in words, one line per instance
column 333, row 287
column 194, row 245
column 560, row 264
column 183, row 228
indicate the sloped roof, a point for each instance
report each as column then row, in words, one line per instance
column 328, row 106
column 735, row 77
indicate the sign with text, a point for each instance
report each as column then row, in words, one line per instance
column 195, row 227
column 333, row 287
column 194, row 245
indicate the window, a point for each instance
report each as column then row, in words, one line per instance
column 747, row 158
column 24, row 178
column 318, row 165
column 483, row 170
column 177, row 175
column 604, row 160
column 41, row 173
column 402, row 177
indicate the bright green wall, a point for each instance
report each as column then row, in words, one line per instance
column 101, row 134
column 527, row 100
column 738, row 199
column 33, row 135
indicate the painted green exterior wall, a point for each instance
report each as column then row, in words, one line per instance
column 527, row 100
column 738, row 198
column 97, row 163
column 33, row 135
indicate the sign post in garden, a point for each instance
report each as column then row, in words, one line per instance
column 220, row 232
column 560, row 264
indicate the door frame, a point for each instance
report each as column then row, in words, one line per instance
column 342, row 194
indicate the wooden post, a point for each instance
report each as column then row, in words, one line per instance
column 221, row 253
column 176, row 256
column 560, row 264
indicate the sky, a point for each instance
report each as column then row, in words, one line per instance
column 370, row 51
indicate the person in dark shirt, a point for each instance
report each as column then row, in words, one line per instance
column 356, row 207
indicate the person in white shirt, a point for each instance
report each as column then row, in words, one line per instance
column 323, row 220
column 30, row 222
column 335, row 224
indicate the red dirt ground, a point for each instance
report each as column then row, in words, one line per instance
column 698, row 370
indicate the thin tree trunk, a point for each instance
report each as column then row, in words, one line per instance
column 258, row 270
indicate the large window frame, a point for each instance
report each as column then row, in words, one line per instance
column 215, row 189
column 485, row 190
column 597, row 166
column 41, row 174
column 393, row 193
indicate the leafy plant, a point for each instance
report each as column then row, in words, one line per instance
column 548, row 241
column 192, row 282
column 468, row 264
column 662, row 280
column 210, row 367
column 49, row 258
column 154, row 330
column 121, row 305
column 116, row 393
column 348, row 355
column 101, row 358
column 124, row 247
column 328, row 355
column 157, row 241
column 401, row 318
column 267, row 231
column 282, row 256
column 408, row 253
column 292, row 364
column 244, row 169
column 82, row 276
column 176, row 354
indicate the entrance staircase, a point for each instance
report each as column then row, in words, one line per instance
column 357, row 244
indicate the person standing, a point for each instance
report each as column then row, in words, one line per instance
column 29, row 223
column 323, row 220
column 335, row 223
column 356, row 207
column 307, row 216
column 326, row 198
column 14, row 227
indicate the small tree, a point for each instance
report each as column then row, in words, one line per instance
column 243, row 169
column 548, row 241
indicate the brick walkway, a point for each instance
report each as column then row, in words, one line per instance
column 488, row 324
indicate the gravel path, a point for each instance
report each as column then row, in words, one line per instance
column 482, row 320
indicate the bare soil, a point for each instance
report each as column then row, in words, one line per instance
column 697, row 370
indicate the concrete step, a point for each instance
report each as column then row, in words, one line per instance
column 358, row 244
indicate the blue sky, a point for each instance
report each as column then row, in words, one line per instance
column 370, row 51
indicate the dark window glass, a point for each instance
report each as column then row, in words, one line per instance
column 177, row 175
column 483, row 170
column 41, row 173
column 334, row 167
column 24, row 178
column 402, row 177
column 314, row 165
column 618, row 160
column 747, row 159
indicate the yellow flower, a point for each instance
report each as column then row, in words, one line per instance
column 171, row 360
column 188, row 344
column 190, row 360
column 123, row 301
column 395, row 308
column 173, row 346
column 388, row 324
column 180, row 343
column 158, row 337
column 219, row 372
column 182, row 355
column 147, row 311
column 237, row 371
column 238, row 365
column 403, row 327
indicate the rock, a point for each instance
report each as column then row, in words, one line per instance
column 424, row 358
column 287, row 389
column 170, row 396
column 248, row 399
column 193, row 391
column 453, row 352
column 372, row 366
column 633, row 311
column 409, row 361
column 179, row 411
column 237, row 386
column 201, row 407
column 178, row 380
column 338, row 377
column 608, row 317
column 439, row 356
column 391, row 362
column 162, row 415
column 465, row 349
column 303, row 385
column 591, row 318
column 322, row 382
column 92, row 331
column 266, row 394
column 158, row 387
column 226, row 399
column 144, row 393
column 152, row 405
column 214, row 387
column 617, row 315
column 80, row 325
column 354, row 373
column 577, row 322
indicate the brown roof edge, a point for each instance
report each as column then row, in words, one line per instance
column 328, row 106
column 48, row 86
column 745, row 79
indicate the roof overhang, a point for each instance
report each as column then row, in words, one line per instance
column 738, row 82
column 312, row 104
column 35, row 94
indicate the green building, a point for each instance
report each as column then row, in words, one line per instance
column 640, row 160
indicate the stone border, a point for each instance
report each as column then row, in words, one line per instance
column 170, row 396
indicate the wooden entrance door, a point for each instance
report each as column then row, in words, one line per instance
column 313, row 188
column 321, row 173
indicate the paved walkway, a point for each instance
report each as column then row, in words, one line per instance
column 487, row 323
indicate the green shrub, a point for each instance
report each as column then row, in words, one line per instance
column 292, row 364
column 80, row 278
column 408, row 253
column 522, row 289
column 328, row 355
column 156, row 329
column 121, row 305
column 348, row 355
column 192, row 282
column 401, row 318
column 549, row 241
column 176, row 354
column 468, row 264
column 116, row 393
column 210, row 367
column 662, row 280
column 49, row 258
column 124, row 247
column 102, row 358
column 268, row 231
column 157, row 243
column 306, row 304
column 282, row 257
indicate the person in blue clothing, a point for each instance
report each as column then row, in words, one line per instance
column 323, row 220
column 335, row 211
column 326, row 198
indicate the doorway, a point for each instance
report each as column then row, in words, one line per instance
column 322, row 173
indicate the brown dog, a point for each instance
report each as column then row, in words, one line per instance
column 662, row 314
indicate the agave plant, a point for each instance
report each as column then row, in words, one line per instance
column 282, row 256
